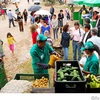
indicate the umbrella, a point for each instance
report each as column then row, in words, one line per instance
column 78, row 1
column 42, row 12
column 34, row 8
column 92, row 3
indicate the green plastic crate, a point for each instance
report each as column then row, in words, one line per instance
column 80, row 19
column 3, row 77
column 31, row 77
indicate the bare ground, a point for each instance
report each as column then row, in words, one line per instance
column 20, row 62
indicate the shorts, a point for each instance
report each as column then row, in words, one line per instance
column 11, row 47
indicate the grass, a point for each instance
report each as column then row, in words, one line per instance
column 64, row 6
column 26, row 68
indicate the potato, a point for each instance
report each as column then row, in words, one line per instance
column 40, row 83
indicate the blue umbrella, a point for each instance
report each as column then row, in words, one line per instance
column 34, row 8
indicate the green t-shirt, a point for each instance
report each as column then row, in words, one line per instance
column 1, row 49
column 40, row 55
column 92, row 64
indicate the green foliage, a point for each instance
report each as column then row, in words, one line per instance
column 51, row 1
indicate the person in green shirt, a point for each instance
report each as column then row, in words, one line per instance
column 1, row 50
column 40, row 53
column 92, row 63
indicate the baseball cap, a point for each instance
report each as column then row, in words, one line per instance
column 88, row 45
column 41, row 37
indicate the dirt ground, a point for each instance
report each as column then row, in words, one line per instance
column 14, row 63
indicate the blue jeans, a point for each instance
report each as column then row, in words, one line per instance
column 76, row 47
column 65, row 53
column 55, row 32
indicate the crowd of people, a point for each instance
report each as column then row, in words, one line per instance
column 85, row 41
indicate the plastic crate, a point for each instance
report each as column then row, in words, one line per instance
column 76, row 16
column 43, row 90
column 92, row 90
column 31, row 77
column 3, row 77
column 69, row 86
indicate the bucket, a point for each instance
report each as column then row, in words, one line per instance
column 53, row 58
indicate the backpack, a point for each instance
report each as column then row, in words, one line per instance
column 68, row 15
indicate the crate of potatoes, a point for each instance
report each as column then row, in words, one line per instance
column 37, row 80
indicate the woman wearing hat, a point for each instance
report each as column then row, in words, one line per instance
column 40, row 53
column 92, row 62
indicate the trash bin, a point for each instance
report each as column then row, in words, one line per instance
column 76, row 16
column 3, row 77
column 80, row 19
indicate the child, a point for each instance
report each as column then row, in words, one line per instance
column 1, row 50
column 37, row 28
column 55, row 26
column 3, row 14
column 49, row 39
column 34, row 33
column 11, row 41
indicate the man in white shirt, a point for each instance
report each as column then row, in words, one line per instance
column 87, row 34
column 10, row 17
column 95, row 39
